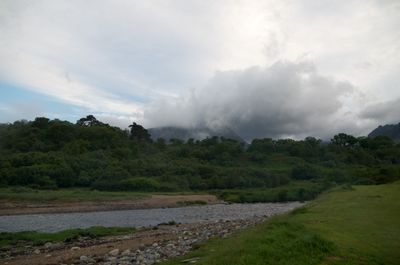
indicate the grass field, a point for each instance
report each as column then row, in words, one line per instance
column 38, row 238
column 353, row 225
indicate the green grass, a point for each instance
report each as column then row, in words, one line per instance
column 38, row 238
column 359, row 225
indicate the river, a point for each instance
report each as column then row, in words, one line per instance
column 141, row 218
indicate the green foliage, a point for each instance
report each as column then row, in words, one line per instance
column 304, row 172
column 298, row 191
column 48, row 154
column 139, row 133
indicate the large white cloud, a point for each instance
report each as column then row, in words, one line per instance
column 118, row 57
column 283, row 100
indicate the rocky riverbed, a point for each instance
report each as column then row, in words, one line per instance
column 148, row 245
column 140, row 218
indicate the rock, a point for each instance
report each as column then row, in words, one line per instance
column 75, row 248
column 83, row 258
column 114, row 252
column 139, row 258
column 48, row 245
column 112, row 259
column 48, row 256
column 36, row 251
column 155, row 245
column 126, row 253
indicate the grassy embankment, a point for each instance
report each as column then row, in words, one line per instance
column 359, row 225
column 39, row 238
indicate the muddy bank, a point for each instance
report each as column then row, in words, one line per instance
column 155, row 201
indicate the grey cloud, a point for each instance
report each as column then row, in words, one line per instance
column 283, row 100
column 383, row 112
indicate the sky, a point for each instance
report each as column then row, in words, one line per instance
column 264, row 68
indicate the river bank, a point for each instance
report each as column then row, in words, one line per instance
column 150, row 244
column 15, row 207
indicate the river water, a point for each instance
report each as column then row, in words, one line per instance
column 141, row 218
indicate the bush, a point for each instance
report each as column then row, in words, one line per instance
column 304, row 172
column 140, row 184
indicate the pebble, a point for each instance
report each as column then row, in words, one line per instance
column 126, row 253
column 114, row 252
column 48, row 245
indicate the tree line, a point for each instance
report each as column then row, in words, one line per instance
column 46, row 153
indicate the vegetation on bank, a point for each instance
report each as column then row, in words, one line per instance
column 40, row 238
column 54, row 154
column 294, row 191
column 349, row 225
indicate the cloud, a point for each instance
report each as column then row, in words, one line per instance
column 118, row 58
column 386, row 112
column 283, row 100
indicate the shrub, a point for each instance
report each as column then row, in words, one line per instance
column 304, row 172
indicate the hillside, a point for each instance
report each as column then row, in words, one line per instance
column 55, row 154
column 389, row 130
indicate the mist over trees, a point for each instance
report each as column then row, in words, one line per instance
column 48, row 153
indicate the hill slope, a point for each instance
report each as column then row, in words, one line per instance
column 389, row 130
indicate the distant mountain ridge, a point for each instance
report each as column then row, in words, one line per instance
column 389, row 130
column 170, row 132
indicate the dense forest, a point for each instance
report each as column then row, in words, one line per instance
column 51, row 154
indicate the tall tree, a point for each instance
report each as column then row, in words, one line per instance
column 89, row 121
column 139, row 133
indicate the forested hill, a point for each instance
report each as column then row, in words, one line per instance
column 389, row 130
column 51, row 153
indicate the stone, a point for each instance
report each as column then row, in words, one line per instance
column 48, row 245
column 126, row 253
column 75, row 248
column 36, row 251
column 114, row 252
column 83, row 258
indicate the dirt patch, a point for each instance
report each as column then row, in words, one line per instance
column 155, row 201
